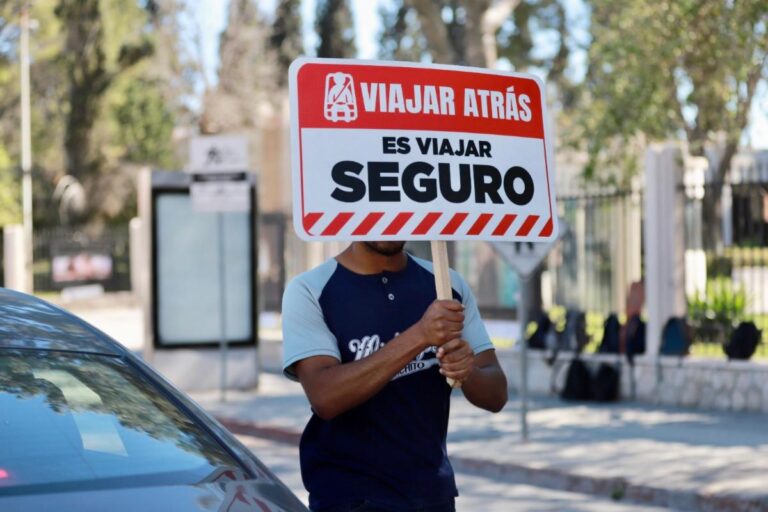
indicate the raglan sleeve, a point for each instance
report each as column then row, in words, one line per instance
column 474, row 328
column 305, row 333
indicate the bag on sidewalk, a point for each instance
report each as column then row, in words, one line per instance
column 611, row 331
column 743, row 342
column 575, row 336
column 578, row 382
column 607, row 383
column 634, row 334
column 675, row 338
column 538, row 340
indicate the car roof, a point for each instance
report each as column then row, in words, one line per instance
column 32, row 323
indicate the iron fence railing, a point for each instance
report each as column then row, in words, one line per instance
column 68, row 257
column 726, row 259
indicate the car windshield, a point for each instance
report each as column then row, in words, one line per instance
column 77, row 421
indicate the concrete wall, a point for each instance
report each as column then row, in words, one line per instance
column 685, row 382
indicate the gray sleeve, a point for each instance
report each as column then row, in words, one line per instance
column 305, row 333
column 474, row 329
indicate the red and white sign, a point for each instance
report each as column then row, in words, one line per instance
column 402, row 151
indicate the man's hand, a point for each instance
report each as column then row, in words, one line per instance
column 442, row 322
column 457, row 360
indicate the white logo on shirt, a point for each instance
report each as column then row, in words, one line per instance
column 368, row 345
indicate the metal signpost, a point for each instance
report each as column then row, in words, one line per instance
column 219, row 185
column 406, row 151
column 524, row 258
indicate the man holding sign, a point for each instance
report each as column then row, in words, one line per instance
column 385, row 152
column 371, row 346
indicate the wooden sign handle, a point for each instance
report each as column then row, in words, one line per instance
column 442, row 282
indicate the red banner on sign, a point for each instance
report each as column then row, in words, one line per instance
column 373, row 96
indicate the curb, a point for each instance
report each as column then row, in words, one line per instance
column 619, row 489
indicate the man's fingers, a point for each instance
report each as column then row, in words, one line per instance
column 459, row 354
column 458, row 364
column 452, row 305
column 458, row 347
column 460, row 375
column 453, row 316
column 449, row 347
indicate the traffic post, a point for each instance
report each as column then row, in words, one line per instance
column 524, row 258
column 219, row 164
column 407, row 151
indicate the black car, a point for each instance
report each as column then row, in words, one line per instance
column 86, row 425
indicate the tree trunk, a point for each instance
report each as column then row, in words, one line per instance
column 712, row 206
column 435, row 31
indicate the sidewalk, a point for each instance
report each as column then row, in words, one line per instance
column 691, row 460
column 686, row 460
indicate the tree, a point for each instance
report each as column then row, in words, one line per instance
column 86, row 57
column 244, row 73
column 401, row 38
column 473, row 33
column 146, row 125
column 335, row 27
column 477, row 33
column 285, row 39
column 682, row 69
column 90, row 71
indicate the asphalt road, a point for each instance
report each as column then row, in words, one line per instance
column 477, row 493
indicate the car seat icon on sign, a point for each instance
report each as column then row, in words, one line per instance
column 340, row 103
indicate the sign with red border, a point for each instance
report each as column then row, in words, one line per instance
column 406, row 151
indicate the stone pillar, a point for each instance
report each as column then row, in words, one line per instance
column 664, row 241
column 13, row 258
column 619, row 250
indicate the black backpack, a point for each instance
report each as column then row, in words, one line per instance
column 635, row 337
column 575, row 336
column 607, row 383
column 744, row 341
column 675, row 338
column 611, row 331
column 578, row 382
column 538, row 340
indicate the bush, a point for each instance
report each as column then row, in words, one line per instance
column 714, row 313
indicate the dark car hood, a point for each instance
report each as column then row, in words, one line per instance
column 234, row 496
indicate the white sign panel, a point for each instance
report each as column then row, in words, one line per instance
column 218, row 153
column 401, row 151
column 221, row 196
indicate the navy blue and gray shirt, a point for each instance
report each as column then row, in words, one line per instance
column 390, row 450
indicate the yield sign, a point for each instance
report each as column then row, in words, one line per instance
column 524, row 257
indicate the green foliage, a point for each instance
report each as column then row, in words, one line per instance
column 335, row 29
column 85, row 56
column 285, row 39
column 684, row 69
column 722, row 301
column 400, row 38
column 145, row 125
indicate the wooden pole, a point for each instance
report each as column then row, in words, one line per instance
column 442, row 281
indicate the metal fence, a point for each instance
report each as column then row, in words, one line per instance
column 726, row 272
column 272, row 259
column 69, row 257
column 600, row 251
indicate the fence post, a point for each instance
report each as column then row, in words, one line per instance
column 664, row 241
column 13, row 258
column 137, row 263
column 141, row 256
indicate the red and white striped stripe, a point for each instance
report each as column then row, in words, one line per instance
column 429, row 225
